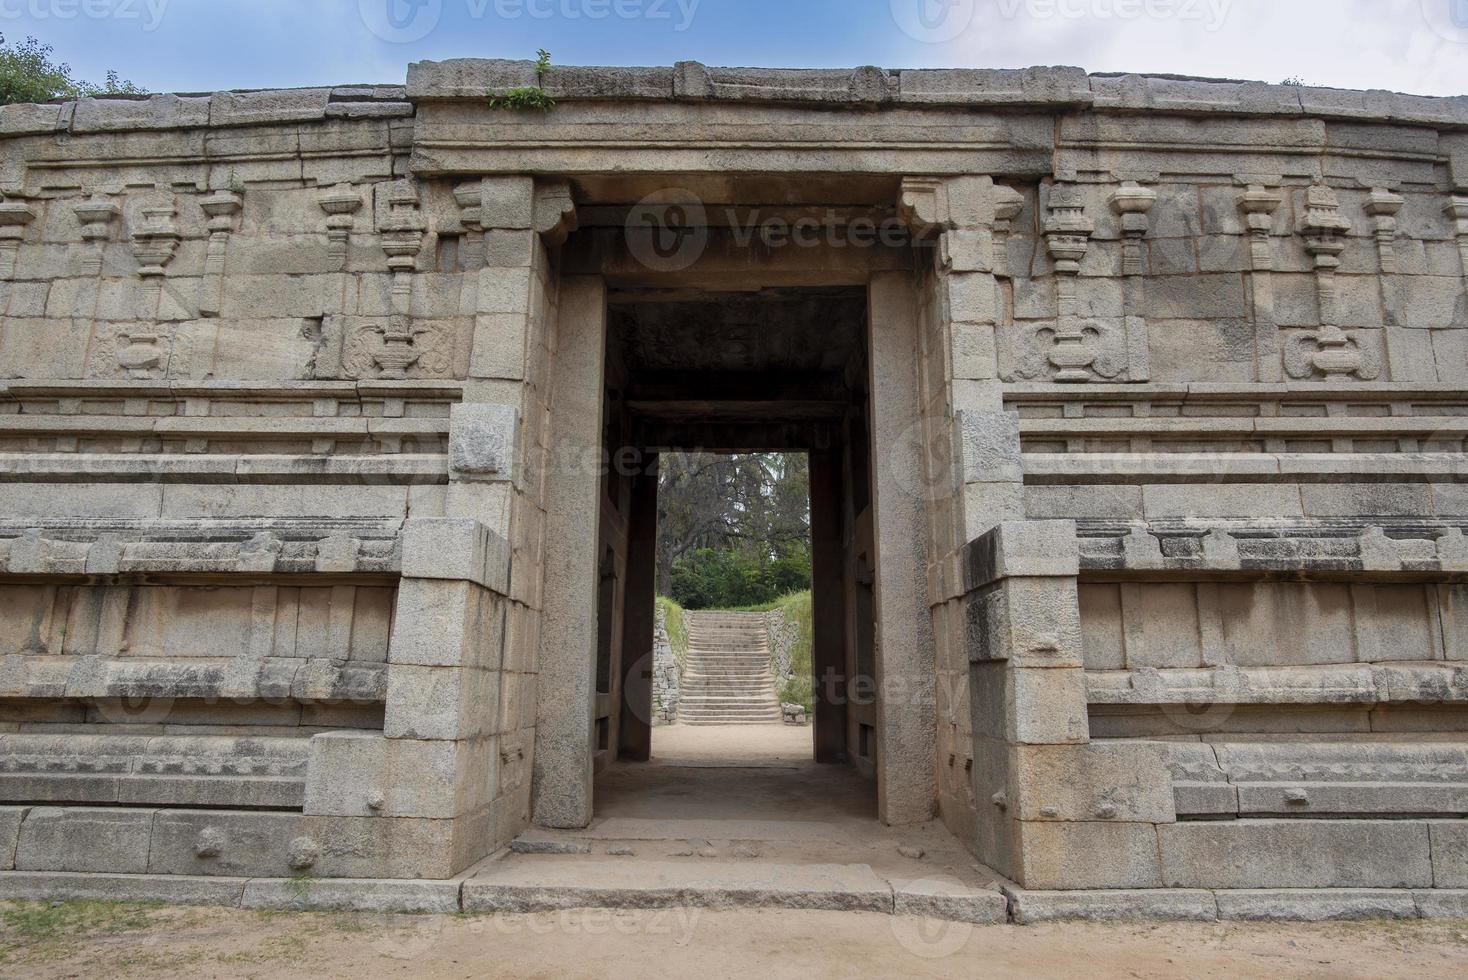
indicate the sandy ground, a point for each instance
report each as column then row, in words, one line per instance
column 114, row 941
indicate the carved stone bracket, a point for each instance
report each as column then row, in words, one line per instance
column 402, row 231
column 1324, row 227
column 519, row 203
column 221, row 209
column 95, row 215
column 156, row 238
column 1133, row 202
column 15, row 216
column 1383, row 205
column 555, row 212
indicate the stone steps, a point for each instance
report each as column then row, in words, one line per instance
column 726, row 680
column 522, row 883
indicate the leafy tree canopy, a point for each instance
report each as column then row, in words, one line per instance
column 733, row 530
column 29, row 73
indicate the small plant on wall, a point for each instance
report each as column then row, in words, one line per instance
column 528, row 97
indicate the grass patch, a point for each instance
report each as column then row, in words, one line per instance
column 45, row 930
column 677, row 629
column 799, row 689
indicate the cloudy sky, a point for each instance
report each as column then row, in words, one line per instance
column 200, row 45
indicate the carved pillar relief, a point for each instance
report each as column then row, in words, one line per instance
column 394, row 348
column 15, row 216
column 221, row 209
column 1457, row 210
column 156, row 238
column 1134, row 203
column 1324, row 227
column 341, row 204
column 1329, row 353
column 1075, row 346
column 95, row 215
column 1259, row 204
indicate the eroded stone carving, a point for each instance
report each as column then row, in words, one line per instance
column 139, row 351
column 1383, row 206
column 221, row 209
column 15, row 216
column 1324, row 228
column 96, row 215
column 1332, row 354
column 341, row 204
column 156, row 238
column 1133, row 203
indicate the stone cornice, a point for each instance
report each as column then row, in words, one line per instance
column 1056, row 89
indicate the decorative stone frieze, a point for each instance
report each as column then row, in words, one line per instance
column 341, row 204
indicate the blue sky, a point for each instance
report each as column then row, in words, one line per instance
column 202, row 45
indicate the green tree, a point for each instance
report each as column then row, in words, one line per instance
column 28, row 73
column 733, row 530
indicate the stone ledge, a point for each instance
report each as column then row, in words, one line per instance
column 541, row 884
column 1192, row 905
column 1357, row 684
column 1041, row 87
column 1053, row 88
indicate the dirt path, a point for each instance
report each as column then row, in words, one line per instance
column 87, row 940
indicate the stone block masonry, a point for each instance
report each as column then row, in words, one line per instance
column 1156, row 544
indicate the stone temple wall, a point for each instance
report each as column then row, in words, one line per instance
column 279, row 382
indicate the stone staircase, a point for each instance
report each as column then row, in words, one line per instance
column 727, row 680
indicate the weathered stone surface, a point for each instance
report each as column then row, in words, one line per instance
column 1323, row 905
column 523, row 885
column 1296, row 854
column 303, row 437
column 59, row 886
column 950, row 901
column 361, row 895
column 55, row 839
column 1031, row 907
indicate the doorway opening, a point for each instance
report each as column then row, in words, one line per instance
column 736, row 531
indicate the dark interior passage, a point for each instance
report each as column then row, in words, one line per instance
column 778, row 370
